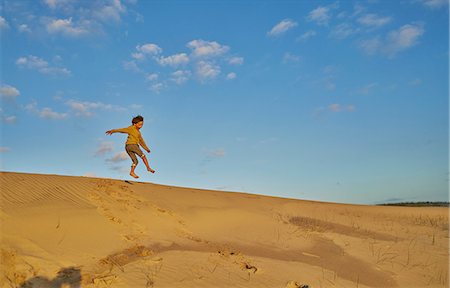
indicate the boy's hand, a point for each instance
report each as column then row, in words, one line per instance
column 109, row 132
column 148, row 150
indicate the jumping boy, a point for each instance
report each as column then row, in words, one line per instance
column 133, row 141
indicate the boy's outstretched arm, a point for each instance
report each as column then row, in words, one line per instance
column 121, row 130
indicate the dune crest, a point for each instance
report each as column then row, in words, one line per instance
column 65, row 231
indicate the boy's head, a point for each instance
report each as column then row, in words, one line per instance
column 138, row 121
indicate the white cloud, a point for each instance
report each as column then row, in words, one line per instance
column 180, row 76
column 86, row 108
column 66, row 27
column 9, row 119
column 104, row 148
column 79, row 107
column 55, row 71
column 403, row 38
column 217, row 153
column 110, row 12
column 204, row 61
column 282, row 27
column 157, row 87
column 31, row 62
column 373, row 20
column 4, row 149
column 291, row 58
column 358, row 9
column 236, row 60
column 120, row 169
column 141, row 54
column 343, row 31
column 212, row 155
column 54, row 4
column 139, row 18
column 321, row 15
column 207, row 70
column 46, row 113
column 341, row 108
column 51, row 3
column 152, row 77
column 307, row 35
column 9, row 92
column 118, row 157
column 98, row 10
column 77, row 19
column 201, row 48
column 23, row 28
column 335, row 107
column 57, row 58
column 149, row 49
column 138, row 56
column 231, row 76
column 3, row 23
column 58, row 95
column 396, row 41
column 42, row 66
column 367, row 88
column 435, row 4
column 136, row 106
column 131, row 66
column 173, row 60
column 371, row 46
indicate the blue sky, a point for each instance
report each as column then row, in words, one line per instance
column 342, row 101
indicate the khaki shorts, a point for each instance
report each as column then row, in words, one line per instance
column 132, row 150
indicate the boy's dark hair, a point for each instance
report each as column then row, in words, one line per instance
column 137, row 119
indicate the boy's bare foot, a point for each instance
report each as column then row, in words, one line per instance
column 134, row 175
column 150, row 170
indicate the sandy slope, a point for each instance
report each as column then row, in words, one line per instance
column 58, row 231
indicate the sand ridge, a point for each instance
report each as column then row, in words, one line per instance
column 94, row 232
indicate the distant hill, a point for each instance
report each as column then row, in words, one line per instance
column 418, row 204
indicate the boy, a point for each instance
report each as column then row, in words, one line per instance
column 134, row 140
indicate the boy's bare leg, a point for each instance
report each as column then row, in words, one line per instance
column 146, row 164
column 132, row 171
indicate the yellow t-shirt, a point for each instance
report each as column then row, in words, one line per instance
column 134, row 136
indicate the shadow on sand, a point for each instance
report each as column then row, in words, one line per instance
column 70, row 277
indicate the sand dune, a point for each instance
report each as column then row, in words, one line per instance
column 61, row 231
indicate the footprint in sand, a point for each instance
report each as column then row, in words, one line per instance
column 184, row 233
column 237, row 258
column 106, row 271
column 294, row 284
column 115, row 219
column 108, row 198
